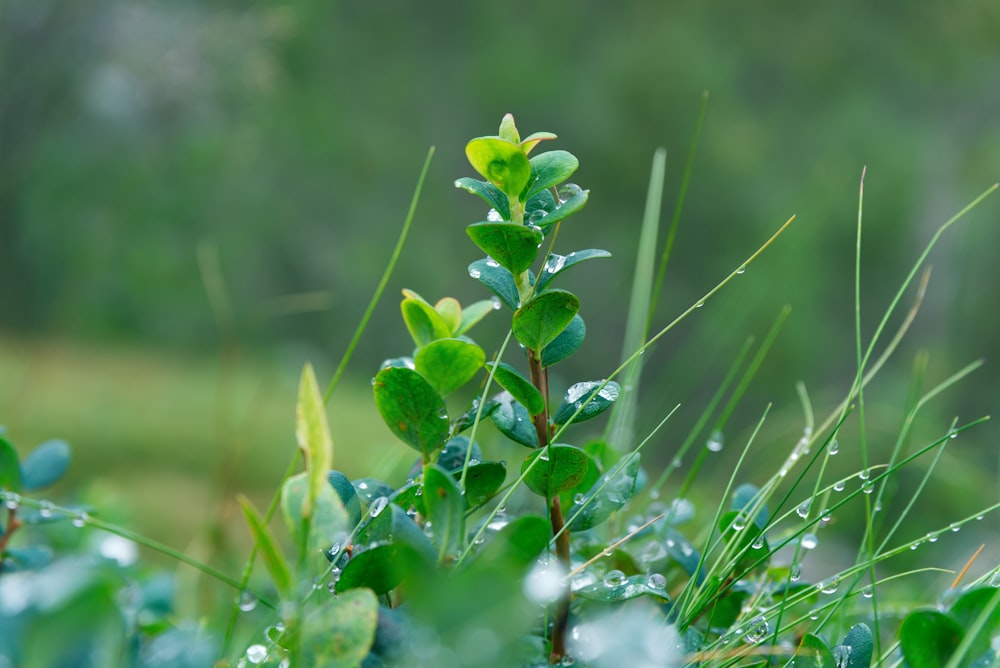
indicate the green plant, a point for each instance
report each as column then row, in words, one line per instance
column 578, row 555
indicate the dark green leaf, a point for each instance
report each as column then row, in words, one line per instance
column 519, row 542
column 513, row 246
column 549, row 169
column 744, row 539
column 406, row 532
column 369, row 489
column 543, row 317
column 928, row 638
column 519, row 387
column 448, row 364
column 45, row 465
column 454, row 453
column 564, row 210
column 468, row 418
column 586, row 400
column 488, row 192
column 412, row 409
column 341, row 630
column 482, row 482
column 566, row 343
column 813, row 652
column 608, row 495
column 559, row 468
column 475, row 312
column 10, row 467
column 860, row 644
column 967, row 611
column 556, row 264
column 513, row 421
column 684, row 553
column 498, row 280
column 614, row 588
column 425, row 324
column 348, row 496
column 502, row 163
column 380, row 568
column 744, row 498
column 445, row 509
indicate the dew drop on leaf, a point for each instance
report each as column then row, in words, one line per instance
column 714, row 443
column 803, row 509
column 378, row 505
column 614, row 578
column 246, row 601
column 809, row 541
column 256, row 654
column 494, row 216
column 757, row 630
column 739, row 523
column 657, row 581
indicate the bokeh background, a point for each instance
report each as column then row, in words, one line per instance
column 196, row 198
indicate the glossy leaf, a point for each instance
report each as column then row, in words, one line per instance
column 567, row 343
column 488, row 192
column 424, row 323
column 45, row 465
column 519, row 542
column 742, row 536
column 498, row 280
column 468, row 418
column 543, row 317
column 412, row 409
column 744, row 499
column 453, row 455
column 450, row 311
column 405, row 532
column 448, row 364
column 482, row 481
column 861, row 643
column 348, row 495
column 586, row 400
column 529, row 142
column 609, row 494
column 622, row 588
column 328, row 518
column 556, row 264
column 928, row 638
column 558, row 468
column 369, row 489
column 339, row 632
column 10, row 467
column 549, row 169
column 274, row 560
column 508, row 130
column 502, row 163
column 967, row 610
column 474, row 313
column 519, row 387
column 445, row 509
column 513, row 421
column 313, row 435
column 380, row 568
column 514, row 246
column 683, row 551
column 564, row 209
column 813, row 652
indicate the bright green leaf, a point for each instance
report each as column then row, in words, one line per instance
column 278, row 568
column 558, row 468
column 412, row 409
column 445, row 509
column 380, row 568
column 928, row 638
column 488, row 192
column 498, row 280
column 813, row 652
column 502, row 163
column 339, row 633
column 543, row 317
column 531, row 141
column 451, row 312
column 10, row 467
column 313, row 434
column 424, row 323
column 45, row 465
column 448, row 364
column 513, row 246
column 567, row 343
column 590, row 398
column 475, row 312
column 967, row 610
column 556, row 264
column 508, row 130
column 513, row 420
column 519, row 387
column 549, row 169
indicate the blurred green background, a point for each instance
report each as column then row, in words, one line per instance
column 269, row 150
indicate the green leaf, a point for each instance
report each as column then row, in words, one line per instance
column 928, row 638
column 513, row 246
column 448, row 364
column 475, row 312
column 519, row 542
column 744, row 498
column 278, row 568
column 10, row 467
column 508, row 131
column 314, row 533
column 539, row 321
column 559, row 468
column 488, row 192
column 313, row 435
column 502, row 163
column 519, row 387
column 339, row 633
column 45, row 465
column 588, row 397
column 861, row 644
column 451, row 312
column 453, row 455
column 412, row 409
column 615, row 589
column 742, row 536
column 562, row 210
column 445, row 509
column 369, row 489
column 529, row 142
column 424, row 323
column 380, row 568
column 567, row 343
column 608, row 495
column 498, row 280
column 967, row 611
column 405, row 532
column 556, row 264
column 549, row 169
column 482, row 481
column 684, row 553
column 513, row 420
column 813, row 652
column 348, row 495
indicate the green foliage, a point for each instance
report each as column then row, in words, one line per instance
column 569, row 559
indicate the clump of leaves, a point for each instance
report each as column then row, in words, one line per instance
column 575, row 555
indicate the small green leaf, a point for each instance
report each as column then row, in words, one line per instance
column 609, row 494
column 380, row 568
column 412, row 409
column 369, row 489
column 424, row 323
column 684, row 553
column 278, row 568
column 508, row 131
column 498, row 280
column 549, row 169
column 482, row 481
column 967, row 611
column 348, row 495
column 488, row 192
column 316, row 532
column 742, row 536
column 559, row 468
column 10, row 467
column 445, row 509
column 339, row 632
column 519, row 387
column 529, row 142
column 513, row 246
column 502, row 163
column 615, row 589
column 448, row 364
column 861, row 644
column 519, row 542
column 405, row 532
column 451, row 312
column 513, row 421
column 744, row 498
column 45, row 465
column 567, row 343
column 590, row 398
column 928, row 638
column 813, row 652
column 313, row 435
column 454, row 453
column 563, row 210
column 475, row 312
column 539, row 321
column 556, row 264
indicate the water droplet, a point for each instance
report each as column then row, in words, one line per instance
column 932, row 537
column 865, row 475
column 273, row 632
column 714, row 443
column 955, row 527
column 758, row 542
column 246, row 601
column 839, row 486
column 256, row 654
column 829, row 586
column 377, row 506
column 334, row 550
column 868, row 591
column 809, row 541
column 803, row 509
column 833, row 448
column 568, row 191
column 537, row 216
column 545, row 582
column 45, row 509
column 979, row 518
column 700, row 304
column 81, row 520
column 495, row 300
column 475, row 273
column 757, row 630
column 657, row 581
column 615, row 578
column 490, row 262
column 795, row 572
column 995, row 580
column 331, row 586
column 868, row 487
column 953, row 434
column 739, row 523
column 494, row 216
column 579, row 498
column 915, row 545
column 841, row 656
column 11, row 500
column 742, row 269
column 676, row 462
